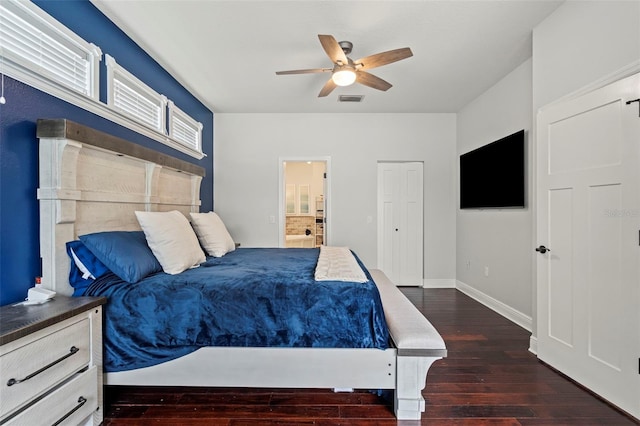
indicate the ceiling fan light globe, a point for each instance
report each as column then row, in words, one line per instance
column 344, row 77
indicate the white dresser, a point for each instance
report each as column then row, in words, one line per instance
column 51, row 363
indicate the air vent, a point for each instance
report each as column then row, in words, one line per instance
column 350, row 98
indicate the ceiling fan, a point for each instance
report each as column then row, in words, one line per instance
column 346, row 71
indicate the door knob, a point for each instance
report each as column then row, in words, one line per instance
column 542, row 249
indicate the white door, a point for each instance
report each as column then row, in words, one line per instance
column 589, row 218
column 400, row 222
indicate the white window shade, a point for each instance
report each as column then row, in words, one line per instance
column 130, row 96
column 184, row 129
column 127, row 100
column 41, row 52
column 33, row 43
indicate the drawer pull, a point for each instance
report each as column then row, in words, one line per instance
column 81, row 402
column 72, row 351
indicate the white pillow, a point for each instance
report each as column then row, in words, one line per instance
column 212, row 233
column 171, row 239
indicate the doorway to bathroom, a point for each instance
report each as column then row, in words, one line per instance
column 304, row 202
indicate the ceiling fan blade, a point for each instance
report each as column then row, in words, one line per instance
column 333, row 49
column 307, row 71
column 327, row 88
column 371, row 80
column 384, row 58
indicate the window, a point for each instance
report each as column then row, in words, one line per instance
column 130, row 96
column 39, row 51
column 36, row 47
column 184, row 129
column 290, row 198
column 303, row 194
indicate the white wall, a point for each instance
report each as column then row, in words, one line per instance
column 581, row 42
column 246, row 152
column 500, row 239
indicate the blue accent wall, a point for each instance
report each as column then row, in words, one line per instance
column 19, row 215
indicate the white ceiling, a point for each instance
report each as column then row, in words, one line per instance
column 227, row 52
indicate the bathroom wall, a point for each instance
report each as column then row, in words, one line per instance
column 296, row 225
column 307, row 173
column 304, row 173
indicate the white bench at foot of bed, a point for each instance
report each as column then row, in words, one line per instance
column 418, row 345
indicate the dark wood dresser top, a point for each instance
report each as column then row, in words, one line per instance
column 18, row 320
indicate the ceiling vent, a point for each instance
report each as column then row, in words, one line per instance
column 350, row 98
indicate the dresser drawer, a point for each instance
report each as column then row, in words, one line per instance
column 31, row 369
column 68, row 405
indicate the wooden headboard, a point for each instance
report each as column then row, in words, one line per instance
column 91, row 181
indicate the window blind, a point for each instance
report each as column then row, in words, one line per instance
column 131, row 102
column 31, row 42
column 132, row 97
column 184, row 129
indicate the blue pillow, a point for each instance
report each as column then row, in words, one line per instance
column 126, row 254
column 85, row 267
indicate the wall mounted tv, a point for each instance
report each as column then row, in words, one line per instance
column 493, row 176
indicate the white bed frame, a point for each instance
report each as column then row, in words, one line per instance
column 91, row 181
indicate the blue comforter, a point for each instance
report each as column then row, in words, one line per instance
column 250, row 297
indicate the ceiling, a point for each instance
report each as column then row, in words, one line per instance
column 227, row 52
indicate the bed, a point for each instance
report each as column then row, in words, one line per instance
column 92, row 182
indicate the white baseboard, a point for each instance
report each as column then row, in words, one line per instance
column 506, row 311
column 533, row 345
column 439, row 283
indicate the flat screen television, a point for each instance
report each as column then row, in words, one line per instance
column 493, row 176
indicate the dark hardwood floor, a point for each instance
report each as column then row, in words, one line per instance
column 489, row 378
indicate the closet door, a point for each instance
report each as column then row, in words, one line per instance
column 588, row 221
column 400, row 222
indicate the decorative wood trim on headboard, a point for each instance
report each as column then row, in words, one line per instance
column 62, row 128
column 91, row 181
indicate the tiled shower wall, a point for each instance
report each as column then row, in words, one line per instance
column 296, row 225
